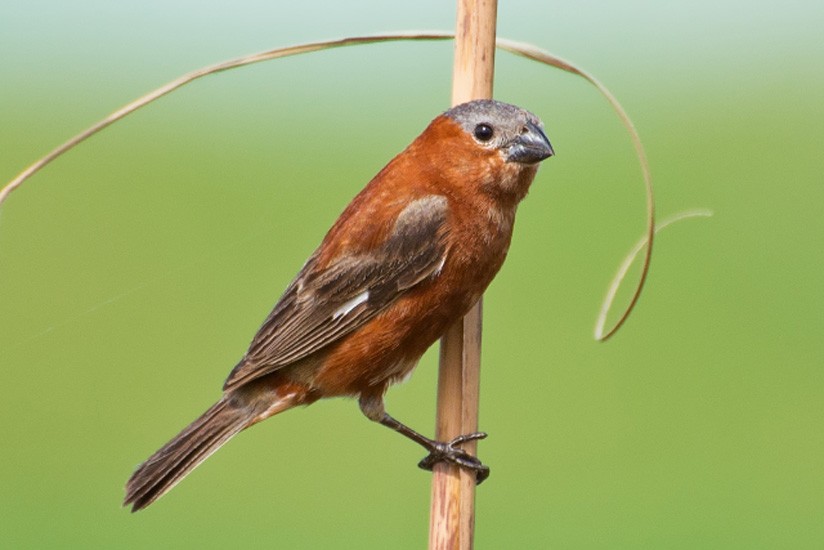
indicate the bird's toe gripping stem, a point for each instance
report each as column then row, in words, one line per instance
column 448, row 451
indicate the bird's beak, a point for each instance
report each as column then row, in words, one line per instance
column 531, row 146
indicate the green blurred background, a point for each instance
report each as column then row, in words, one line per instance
column 134, row 271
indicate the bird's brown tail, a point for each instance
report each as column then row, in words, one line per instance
column 164, row 469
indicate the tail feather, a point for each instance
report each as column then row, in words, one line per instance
column 164, row 469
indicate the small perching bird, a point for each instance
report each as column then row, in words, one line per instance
column 409, row 256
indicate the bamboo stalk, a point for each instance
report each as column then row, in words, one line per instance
column 452, row 512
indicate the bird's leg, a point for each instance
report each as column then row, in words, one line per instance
column 442, row 451
column 439, row 451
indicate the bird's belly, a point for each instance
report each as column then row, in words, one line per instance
column 387, row 348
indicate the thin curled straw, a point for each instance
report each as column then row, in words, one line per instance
column 630, row 259
column 526, row 50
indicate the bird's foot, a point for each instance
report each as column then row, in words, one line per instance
column 441, row 451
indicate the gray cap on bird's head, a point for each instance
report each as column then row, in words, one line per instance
column 495, row 125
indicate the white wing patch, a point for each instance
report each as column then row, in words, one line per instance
column 351, row 304
column 440, row 267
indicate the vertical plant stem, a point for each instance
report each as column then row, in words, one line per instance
column 452, row 512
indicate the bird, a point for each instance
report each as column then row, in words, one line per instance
column 407, row 258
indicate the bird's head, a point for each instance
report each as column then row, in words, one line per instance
column 512, row 133
column 485, row 146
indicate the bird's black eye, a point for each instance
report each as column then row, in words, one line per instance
column 484, row 132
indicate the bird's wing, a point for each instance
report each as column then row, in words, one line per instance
column 322, row 305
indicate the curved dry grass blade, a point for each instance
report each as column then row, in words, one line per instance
column 630, row 259
column 531, row 52
column 526, row 50
column 194, row 75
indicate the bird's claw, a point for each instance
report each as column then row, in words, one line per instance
column 442, row 451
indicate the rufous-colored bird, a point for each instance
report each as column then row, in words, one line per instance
column 409, row 256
